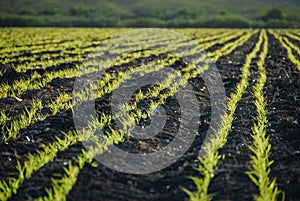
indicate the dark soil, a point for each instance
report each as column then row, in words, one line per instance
column 230, row 182
column 284, row 119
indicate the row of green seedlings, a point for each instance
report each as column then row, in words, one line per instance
column 46, row 60
column 289, row 43
column 291, row 34
column 228, row 49
column 289, row 48
column 44, row 54
column 61, row 187
column 211, row 40
column 224, row 39
column 51, row 60
column 36, row 81
column 50, row 47
column 199, row 32
column 215, row 37
column 211, row 156
column 261, row 148
column 15, row 127
column 32, row 115
column 287, row 35
column 10, row 187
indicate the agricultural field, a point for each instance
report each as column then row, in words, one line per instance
column 47, row 77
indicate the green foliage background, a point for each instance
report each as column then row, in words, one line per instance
column 151, row 13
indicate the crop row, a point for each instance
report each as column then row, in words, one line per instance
column 261, row 148
column 290, row 47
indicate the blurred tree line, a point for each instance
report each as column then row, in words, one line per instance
column 109, row 14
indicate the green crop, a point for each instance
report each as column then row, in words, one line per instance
column 261, row 147
column 80, row 47
column 289, row 48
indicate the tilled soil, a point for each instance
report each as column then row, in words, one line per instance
column 230, row 181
